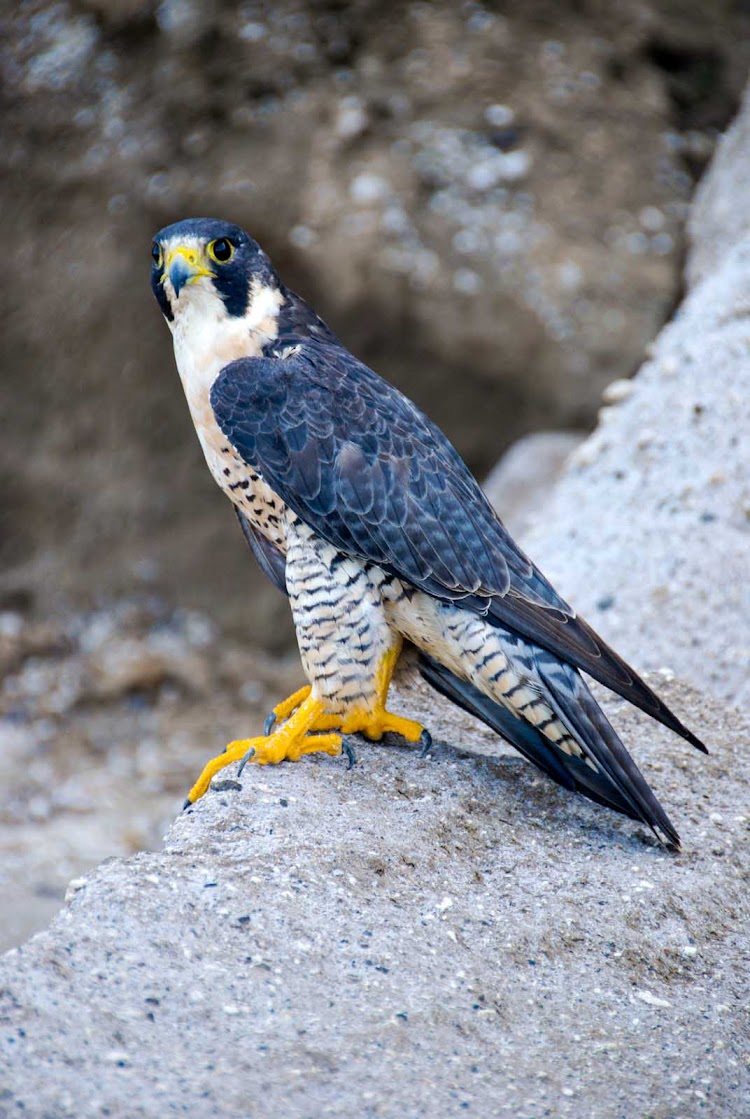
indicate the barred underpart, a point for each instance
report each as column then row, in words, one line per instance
column 341, row 624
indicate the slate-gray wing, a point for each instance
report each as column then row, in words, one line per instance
column 370, row 473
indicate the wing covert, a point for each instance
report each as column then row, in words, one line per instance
column 361, row 465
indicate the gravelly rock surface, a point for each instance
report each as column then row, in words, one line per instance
column 657, row 500
column 411, row 938
column 720, row 213
column 520, row 485
column 105, row 720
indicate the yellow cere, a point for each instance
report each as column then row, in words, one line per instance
column 192, row 257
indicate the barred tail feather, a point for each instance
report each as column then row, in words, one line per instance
column 574, row 641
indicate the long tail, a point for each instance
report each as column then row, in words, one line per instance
column 574, row 742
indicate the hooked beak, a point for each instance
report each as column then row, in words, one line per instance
column 183, row 266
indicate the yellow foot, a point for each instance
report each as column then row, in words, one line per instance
column 374, row 724
column 308, row 730
column 295, row 738
column 267, row 750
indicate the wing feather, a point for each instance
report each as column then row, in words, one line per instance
column 358, row 462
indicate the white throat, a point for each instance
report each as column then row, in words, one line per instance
column 206, row 338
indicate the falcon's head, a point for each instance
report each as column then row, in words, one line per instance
column 211, row 270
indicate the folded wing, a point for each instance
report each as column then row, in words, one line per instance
column 370, row 473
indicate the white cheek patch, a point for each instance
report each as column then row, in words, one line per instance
column 264, row 303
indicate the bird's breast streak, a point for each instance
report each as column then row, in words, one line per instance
column 242, row 485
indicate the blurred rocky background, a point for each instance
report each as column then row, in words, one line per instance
column 488, row 203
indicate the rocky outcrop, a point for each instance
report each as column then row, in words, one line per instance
column 439, row 937
column 648, row 532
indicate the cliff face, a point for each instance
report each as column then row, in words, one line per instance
column 488, row 206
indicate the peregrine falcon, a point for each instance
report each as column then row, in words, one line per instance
column 357, row 507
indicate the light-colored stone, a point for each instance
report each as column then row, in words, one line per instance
column 648, row 532
column 617, row 391
column 408, row 938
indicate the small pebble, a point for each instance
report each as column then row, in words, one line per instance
column 618, row 390
column 652, row 1000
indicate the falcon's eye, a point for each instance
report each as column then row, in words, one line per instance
column 221, row 251
column 156, row 254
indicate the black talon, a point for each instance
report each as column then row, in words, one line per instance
column 245, row 760
column 188, row 803
column 348, row 749
column 270, row 723
column 425, row 741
